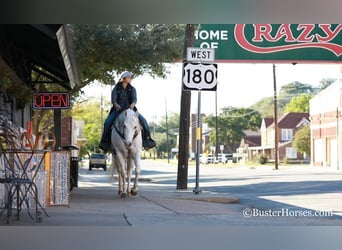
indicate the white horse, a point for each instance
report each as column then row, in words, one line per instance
column 127, row 144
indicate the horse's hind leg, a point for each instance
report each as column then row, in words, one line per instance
column 134, row 190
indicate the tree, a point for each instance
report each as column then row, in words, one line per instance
column 231, row 124
column 325, row 82
column 104, row 50
column 302, row 140
column 88, row 111
column 264, row 106
column 299, row 103
column 160, row 135
column 286, row 94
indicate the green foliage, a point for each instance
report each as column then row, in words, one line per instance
column 231, row 124
column 265, row 107
column 325, row 82
column 287, row 92
column 160, row 135
column 104, row 50
column 302, row 140
column 90, row 113
column 13, row 88
column 299, row 103
column 263, row 159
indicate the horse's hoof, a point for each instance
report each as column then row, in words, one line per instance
column 119, row 193
column 123, row 195
column 134, row 193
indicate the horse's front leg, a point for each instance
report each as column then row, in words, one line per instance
column 129, row 175
column 116, row 164
column 134, row 190
column 122, row 176
column 120, row 191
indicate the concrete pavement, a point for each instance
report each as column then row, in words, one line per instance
column 234, row 195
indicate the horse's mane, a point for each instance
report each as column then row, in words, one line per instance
column 122, row 116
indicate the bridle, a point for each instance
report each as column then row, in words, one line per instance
column 121, row 133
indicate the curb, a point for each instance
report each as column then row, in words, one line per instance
column 223, row 200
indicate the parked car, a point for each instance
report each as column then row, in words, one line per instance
column 98, row 161
column 229, row 157
column 203, row 159
column 221, row 158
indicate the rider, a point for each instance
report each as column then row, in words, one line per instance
column 124, row 96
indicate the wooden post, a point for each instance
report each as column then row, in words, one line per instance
column 184, row 123
column 276, row 148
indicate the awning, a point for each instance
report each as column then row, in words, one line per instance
column 45, row 49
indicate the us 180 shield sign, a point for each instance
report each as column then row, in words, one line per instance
column 198, row 76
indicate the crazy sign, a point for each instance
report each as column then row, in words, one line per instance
column 272, row 42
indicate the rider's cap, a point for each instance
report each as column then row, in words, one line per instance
column 126, row 74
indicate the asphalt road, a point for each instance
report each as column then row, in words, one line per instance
column 292, row 195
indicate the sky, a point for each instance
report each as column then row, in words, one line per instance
column 239, row 85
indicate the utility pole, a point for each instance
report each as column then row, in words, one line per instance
column 276, row 149
column 154, row 132
column 216, row 128
column 167, row 133
column 101, row 111
column 184, row 123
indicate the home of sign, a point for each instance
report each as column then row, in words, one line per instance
column 272, row 42
column 51, row 101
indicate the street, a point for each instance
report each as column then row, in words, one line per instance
column 231, row 195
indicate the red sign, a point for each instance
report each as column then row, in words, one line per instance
column 51, row 101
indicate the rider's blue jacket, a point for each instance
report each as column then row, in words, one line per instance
column 124, row 97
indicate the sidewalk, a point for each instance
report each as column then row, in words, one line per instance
column 96, row 203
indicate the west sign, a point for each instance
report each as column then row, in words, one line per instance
column 272, row 42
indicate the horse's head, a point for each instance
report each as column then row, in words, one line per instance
column 131, row 127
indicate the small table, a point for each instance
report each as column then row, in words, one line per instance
column 20, row 170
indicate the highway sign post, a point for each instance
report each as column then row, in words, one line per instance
column 199, row 76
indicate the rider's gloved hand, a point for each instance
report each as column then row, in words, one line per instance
column 117, row 106
column 132, row 106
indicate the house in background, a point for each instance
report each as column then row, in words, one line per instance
column 325, row 113
column 288, row 125
column 251, row 139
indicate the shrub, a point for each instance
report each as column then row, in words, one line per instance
column 263, row 159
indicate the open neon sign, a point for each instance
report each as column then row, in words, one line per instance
column 51, row 101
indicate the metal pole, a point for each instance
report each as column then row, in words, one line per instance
column 337, row 139
column 154, row 131
column 167, row 134
column 216, row 127
column 276, row 149
column 198, row 143
column 57, row 120
column 101, row 111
